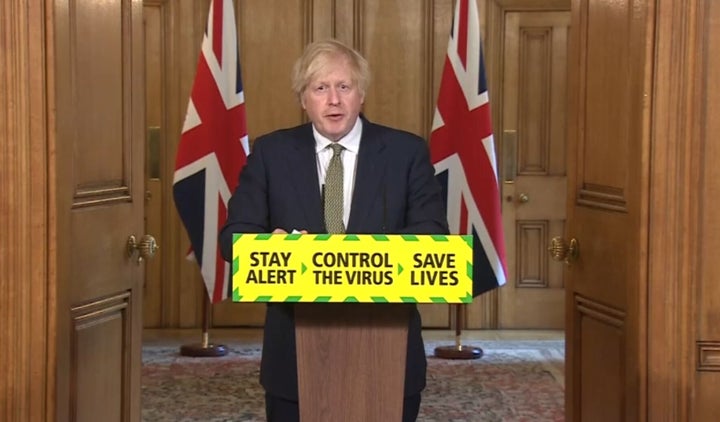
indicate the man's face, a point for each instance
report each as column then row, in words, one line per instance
column 332, row 100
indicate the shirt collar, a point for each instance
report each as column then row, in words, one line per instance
column 350, row 142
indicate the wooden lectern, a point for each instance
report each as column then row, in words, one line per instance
column 351, row 361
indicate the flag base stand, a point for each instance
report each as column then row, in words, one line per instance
column 199, row 350
column 458, row 352
column 204, row 349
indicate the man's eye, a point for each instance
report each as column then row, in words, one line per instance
column 321, row 88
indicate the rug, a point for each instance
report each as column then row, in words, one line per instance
column 513, row 381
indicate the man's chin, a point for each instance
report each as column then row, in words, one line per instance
column 335, row 135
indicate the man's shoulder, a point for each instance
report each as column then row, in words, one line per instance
column 285, row 136
column 394, row 138
column 379, row 130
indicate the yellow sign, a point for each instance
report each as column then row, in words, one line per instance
column 352, row 268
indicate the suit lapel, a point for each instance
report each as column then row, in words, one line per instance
column 370, row 173
column 302, row 167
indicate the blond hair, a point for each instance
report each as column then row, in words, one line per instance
column 318, row 54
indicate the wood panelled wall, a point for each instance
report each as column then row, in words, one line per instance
column 681, row 329
column 27, row 267
column 706, row 321
column 405, row 42
column 683, row 363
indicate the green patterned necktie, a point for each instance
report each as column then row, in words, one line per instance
column 334, row 192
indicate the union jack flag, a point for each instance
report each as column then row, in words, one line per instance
column 463, row 152
column 213, row 147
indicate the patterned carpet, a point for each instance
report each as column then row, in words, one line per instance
column 513, row 381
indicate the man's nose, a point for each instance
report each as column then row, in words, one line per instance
column 333, row 96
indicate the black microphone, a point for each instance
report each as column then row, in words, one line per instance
column 322, row 203
column 384, row 210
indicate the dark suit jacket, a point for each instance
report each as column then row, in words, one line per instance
column 395, row 192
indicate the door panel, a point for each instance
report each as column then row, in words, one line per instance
column 98, row 67
column 534, row 176
column 607, row 210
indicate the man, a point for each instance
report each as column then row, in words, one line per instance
column 388, row 186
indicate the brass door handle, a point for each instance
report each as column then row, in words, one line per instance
column 146, row 247
column 523, row 198
column 561, row 251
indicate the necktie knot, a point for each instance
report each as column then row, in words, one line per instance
column 337, row 149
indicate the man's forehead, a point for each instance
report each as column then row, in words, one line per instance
column 326, row 76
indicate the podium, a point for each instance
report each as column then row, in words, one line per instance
column 351, row 361
column 353, row 296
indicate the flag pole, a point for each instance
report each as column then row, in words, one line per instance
column 462, row 115
column 204, row 349
column 458, row 350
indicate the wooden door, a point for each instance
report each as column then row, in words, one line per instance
column 534, row 176
column 98, row 105
column 269, row 101
column 607, row 210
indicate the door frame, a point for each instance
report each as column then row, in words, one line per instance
column 674, row 229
